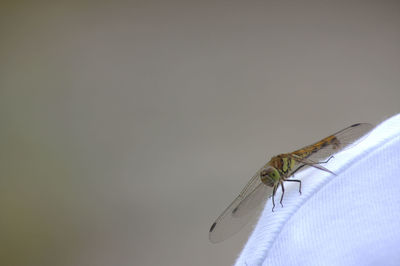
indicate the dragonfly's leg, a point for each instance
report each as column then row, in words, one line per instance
column 283, row 192
column 301, row 166
column 273, row 197
column 327, row 159
column 295, row 180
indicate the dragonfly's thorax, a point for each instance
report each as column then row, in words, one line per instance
column 284, row 163
column 270, row 176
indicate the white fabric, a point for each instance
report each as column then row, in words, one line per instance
column 349, row 219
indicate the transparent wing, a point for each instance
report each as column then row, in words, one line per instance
column 343, row 139
column 240, row 211
column 253, row 200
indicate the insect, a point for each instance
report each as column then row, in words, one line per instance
column 273, row 174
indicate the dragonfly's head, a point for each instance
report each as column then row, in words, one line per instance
column 270, row 176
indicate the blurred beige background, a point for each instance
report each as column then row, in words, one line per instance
column 127, row 127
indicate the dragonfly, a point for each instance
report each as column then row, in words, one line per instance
column 280, row 169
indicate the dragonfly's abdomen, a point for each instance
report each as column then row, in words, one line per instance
column 308, row 150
